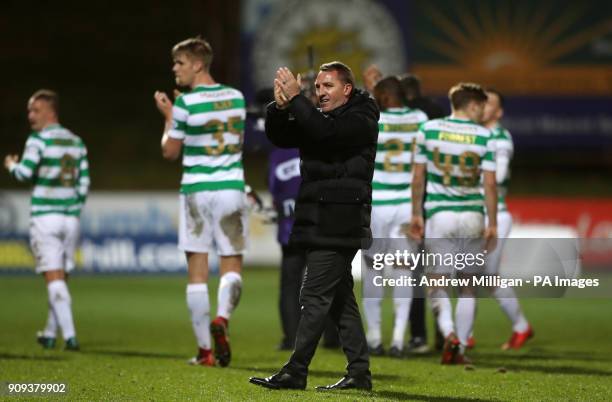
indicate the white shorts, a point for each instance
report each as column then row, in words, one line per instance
column 213, row 218
column 504, row 225
column 456, row 233
column 455, row 225
column 53, row 239
column 390, row 221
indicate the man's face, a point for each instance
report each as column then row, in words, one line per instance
column 475, row 111
column 185, row 69
column 40, row 114
column 382, row 98
column 492, row 109
column 331, row 91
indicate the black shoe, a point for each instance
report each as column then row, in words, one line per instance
column 72, row 344
column 349, row 382
column 281, row 380
column 418, row 345
column 395, row 352
column 376, row 350
column 47, row 342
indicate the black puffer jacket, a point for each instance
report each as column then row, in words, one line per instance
column 337, row 152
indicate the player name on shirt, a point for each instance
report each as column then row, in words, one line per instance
column 456, row 151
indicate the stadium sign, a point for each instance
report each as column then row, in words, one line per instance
column 356, row 32
column 126, row 232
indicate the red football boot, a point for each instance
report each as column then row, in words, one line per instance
column 450, row 349
column 518, row 339
column 204, row 358
column 220, row 335
column 460, row 358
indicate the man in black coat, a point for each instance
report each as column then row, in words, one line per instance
column 337, row 146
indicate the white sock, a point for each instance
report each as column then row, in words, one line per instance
column 230, row 287
column 199, row 309
column 401, row 311
column 464, row 318
column 441, row 305
column 371, row 307
column 60, row 301
column 50, row 330
column 402, row 299
column 509, row 303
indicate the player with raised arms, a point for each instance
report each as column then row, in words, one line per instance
column 206, row 125
column 55, row 161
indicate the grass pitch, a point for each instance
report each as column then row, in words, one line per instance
column 136, row 337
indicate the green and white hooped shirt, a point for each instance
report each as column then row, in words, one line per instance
column 210, row 122
column 397, row 132
column 456, row 151
column 55, row 160
column 503, row 145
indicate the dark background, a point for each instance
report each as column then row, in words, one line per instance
column 107, row 58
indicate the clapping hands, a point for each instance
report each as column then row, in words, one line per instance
column 286, row 87
column 10, row 160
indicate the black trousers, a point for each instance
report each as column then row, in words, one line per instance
column 417, row 309
column 291, row 274
column 328, row 290
column 293, row 264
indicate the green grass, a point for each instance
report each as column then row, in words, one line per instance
column 136, row 337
